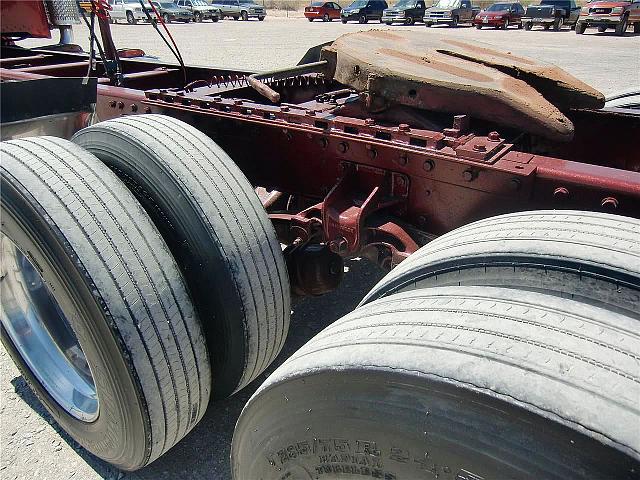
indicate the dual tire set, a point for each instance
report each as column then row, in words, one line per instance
column 506, row 349
column 141, row 277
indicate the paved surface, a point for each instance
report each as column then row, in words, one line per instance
column 31, row 445
column 606, row 62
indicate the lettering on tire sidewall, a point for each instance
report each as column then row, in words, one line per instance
column 364, row 457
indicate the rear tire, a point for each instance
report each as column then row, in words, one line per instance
column 344, row 21
column 261, row 19
column 325, row 18
column 166, row 18
column 455, row 21
column 455, row 382
column 310, row 19
column 602, row 29
column 528, row 26
column 410, row 21
column 580, row 28
column 563, row 253
column 478, row 26
column 197, row 17
column 120, row 289
column 506, row 24
column 636, row 27
column 218, row 231
column 363, row 19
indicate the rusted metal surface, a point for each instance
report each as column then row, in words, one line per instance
column 352, row 181
column 24, row 18
column 447, row 75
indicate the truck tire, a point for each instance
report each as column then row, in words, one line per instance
column 344, row 20
column 528, row 25
column 363, row 19
column 216, row 228
column 580, row 28
column 455, row 21
column 131, row 20
column 621, row 28
column 197, row 17
column 636, row 27
column 244, row 15
column 325, row 17
column 410, row 21
column 108, row 286
column 455, row 383
column 602, row 28
column 557, row 25
column 166, row 18
column 592, row 257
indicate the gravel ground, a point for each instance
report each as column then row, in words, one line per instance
column 31, row 445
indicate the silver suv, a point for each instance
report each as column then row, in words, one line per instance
column 244, row 9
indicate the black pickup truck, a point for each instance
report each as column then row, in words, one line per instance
column 551, row 13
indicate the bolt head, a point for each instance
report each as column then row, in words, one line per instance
column 343, row 147
column 403, row 127
column 478, row 147
column 468, row 175
column 428, row 165
column 494, row 137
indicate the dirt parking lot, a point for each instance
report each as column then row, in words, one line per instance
column 31, row 445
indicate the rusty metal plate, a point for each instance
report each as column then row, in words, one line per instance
column 451, row 76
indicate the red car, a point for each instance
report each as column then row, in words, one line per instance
column 325, row 11
column 500, row 15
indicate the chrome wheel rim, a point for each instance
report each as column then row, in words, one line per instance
column 42, row 335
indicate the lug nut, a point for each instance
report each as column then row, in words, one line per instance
column 112, row 104
column 428, row 165
column 343, row 147
column 120, row 105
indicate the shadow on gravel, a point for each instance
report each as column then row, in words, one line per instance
column 26, row 394
column 204, row 453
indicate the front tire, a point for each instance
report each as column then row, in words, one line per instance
column 197, row 17
column 528, row 26
column 454, row 24
column 455, row 382
column 557, row 25
column 166, row 18
column 244, row 15
column 113, row 278
column 409, row 21
column 131, row 20
column 506, row 24
column 621, row 28
column 363, row 19
column 216, row 228
column 325, row 17
column 602, row 29
column 580, row 28
column 478, row 26
column 310, row 19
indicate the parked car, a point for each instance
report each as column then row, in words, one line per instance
column 171, row 12
column 200, row 9
column 405, row 11
column 450, row 12
column 500, row 15
column 551, row 13
column 610, row 14
column 129, row 10
column 240, row 9
column 364, row 10
column 325, row 11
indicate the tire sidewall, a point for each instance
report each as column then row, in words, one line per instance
column 121, row 419
column 395, row 426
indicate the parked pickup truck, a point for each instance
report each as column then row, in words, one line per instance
column 551, row 13
column 200, row 9
column 129, row 10
column 450, row 12
column 405, row 11
column 240, row 9
column 607, row 14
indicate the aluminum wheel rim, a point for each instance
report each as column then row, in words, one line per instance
column 43, row 336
